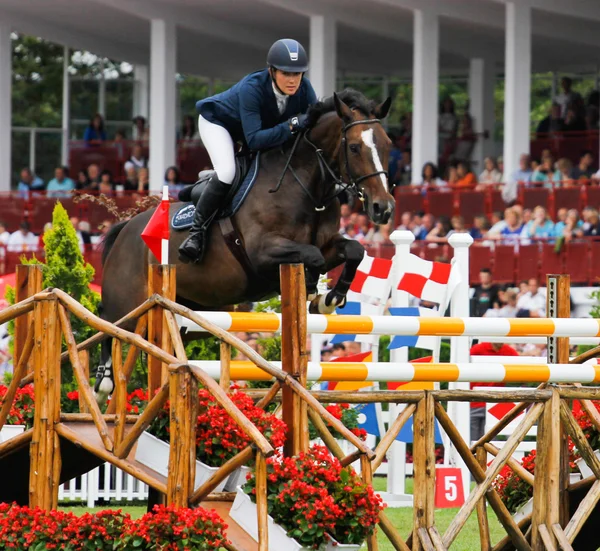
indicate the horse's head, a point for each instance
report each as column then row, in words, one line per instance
column 363, row 156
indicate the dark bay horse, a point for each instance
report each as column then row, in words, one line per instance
column 299, row 223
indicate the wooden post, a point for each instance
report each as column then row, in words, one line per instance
column 546, row 506
column 558, row 305
column 161, row 280
column 293, row 354
column 84, row 358
column 45, row 461
column 28, row 283
column 183, row 394
column 120, row 392
column 225, row 356
column 424, row 469
column 367, row 476
column 482, row 518
column 261, row 502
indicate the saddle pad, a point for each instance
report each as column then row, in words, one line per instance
column 183, row 218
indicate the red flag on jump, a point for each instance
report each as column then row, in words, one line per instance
column 156, row 232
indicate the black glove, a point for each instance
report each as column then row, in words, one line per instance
column 298, row 123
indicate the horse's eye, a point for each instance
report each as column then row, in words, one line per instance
column 355, row 148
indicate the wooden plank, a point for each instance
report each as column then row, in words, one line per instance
column 225, row 358
column 579, row 439
column 120, row 394
column 84, row 361
column 293, row 355
column 392, row 533
column 482, row 518
column 424, row 539
column 161, row 281
column 560, row 536
column 436, row 539
column 367, row 476
column 585, row 509
column 546, row 538
column 390, row 436
column 261, row 501
column 424, row 469
column 523, row 474
column 28, row 282
column 546, row 506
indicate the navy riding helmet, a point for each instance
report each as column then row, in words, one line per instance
column 288, row 55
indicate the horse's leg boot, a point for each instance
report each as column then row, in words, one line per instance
column 211, row 201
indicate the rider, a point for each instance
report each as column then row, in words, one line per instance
column 263, row 110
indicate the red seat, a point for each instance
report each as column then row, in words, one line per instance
column 441, row 253
column 441, row 203
column 533, row 197
column 407, row 201
column 42, row 208
column 567, row 198
column 480, row 257
column 471, row 204
column 12, row 212
column 595, row 263
column 552, row 262
column 577, row 261
column 497, row 204
column 503, row 257
column 593, row 196
column 527, row 262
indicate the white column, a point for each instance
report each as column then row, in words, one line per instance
column 102, row 91
column 5, row 104
column 397, row 454
column 162, row 101
column 142, row 86
column 425, row 91
column 322, row 56
column 66, row 108
column 517, row 92
column 481, row 96
column 460, row 412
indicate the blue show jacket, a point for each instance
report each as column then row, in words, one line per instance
column 248, row 110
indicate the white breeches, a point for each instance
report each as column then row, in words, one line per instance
column 220, row 148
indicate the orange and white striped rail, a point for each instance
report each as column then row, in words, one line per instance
column 421, row 372
column 406, row 325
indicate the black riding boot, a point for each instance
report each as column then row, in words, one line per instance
column 211, row 200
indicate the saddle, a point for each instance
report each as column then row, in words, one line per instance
column 243, row 163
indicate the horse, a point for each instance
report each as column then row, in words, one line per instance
column 291, row 215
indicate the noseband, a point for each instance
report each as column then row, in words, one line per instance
column 325, row 169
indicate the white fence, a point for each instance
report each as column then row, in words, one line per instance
column 105, row 482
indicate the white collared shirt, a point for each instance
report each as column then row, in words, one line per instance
column 282, row 99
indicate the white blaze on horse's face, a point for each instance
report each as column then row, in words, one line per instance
column 367, row 138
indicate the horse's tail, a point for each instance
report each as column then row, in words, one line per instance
column 110, row 238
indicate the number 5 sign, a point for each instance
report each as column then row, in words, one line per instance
column 448, row 488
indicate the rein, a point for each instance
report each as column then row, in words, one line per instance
column 325, row 169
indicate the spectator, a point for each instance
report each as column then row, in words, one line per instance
column 406, row 221
column 512, row 231
column 478, row 408
column 83, row 182
column 466, row 178
column 572, row 226
column 553, row 122
column 131, row 180
column 430, row 181
column 466, row 138
column 541, row 226
column 137, row 158
column 188, row 130
column 591, row 222
column 543, row 174
column 592, row 113
column 427, row 225
column 583, row 171
column 562, row 176
column 140, row 130
column 326, row 354
column 84, row 229
column 439, row 233
column 4, row 234
column 93, row 176
column 498, row 223
column 106, row 185
column 95, row 133
column 60, row 185
column 339, row 350
column 485, row 295
column 566, row 97
column 500, row 163
column 523, row 174
column 406, row 127
column 365, row 228
column 458, row 225
column 405, row 175
column 447, row 127
column 29, row 182
column 574, row 121
column 480, row 227
column 345, row 215
column 490, row 174
column 143, row 180
column 508, row 309
column 22, row 240
column 173, row 180
column 394, row 161
column 382, row 234
column 533, row 303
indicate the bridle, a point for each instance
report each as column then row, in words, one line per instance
column 338, row 185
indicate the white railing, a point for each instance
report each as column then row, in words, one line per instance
column 106, row 482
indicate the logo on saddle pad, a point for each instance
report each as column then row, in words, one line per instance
column 183, row 218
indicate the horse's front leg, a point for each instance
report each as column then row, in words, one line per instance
column 336, row 251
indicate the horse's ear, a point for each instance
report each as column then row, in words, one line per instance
column 344, row 112
column 383, row 109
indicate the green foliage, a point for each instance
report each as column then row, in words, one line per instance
column 270, row 305
column 203, row 349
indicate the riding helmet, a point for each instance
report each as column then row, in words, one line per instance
column 288, row 55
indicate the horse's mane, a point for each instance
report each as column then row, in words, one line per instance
column 352, row 98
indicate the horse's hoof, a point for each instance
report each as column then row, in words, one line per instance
column 313, row 307
column 319, row 305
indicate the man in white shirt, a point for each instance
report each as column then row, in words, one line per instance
column 22, row 240
column 534, row 301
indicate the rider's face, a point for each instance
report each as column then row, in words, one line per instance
column 288, row 83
